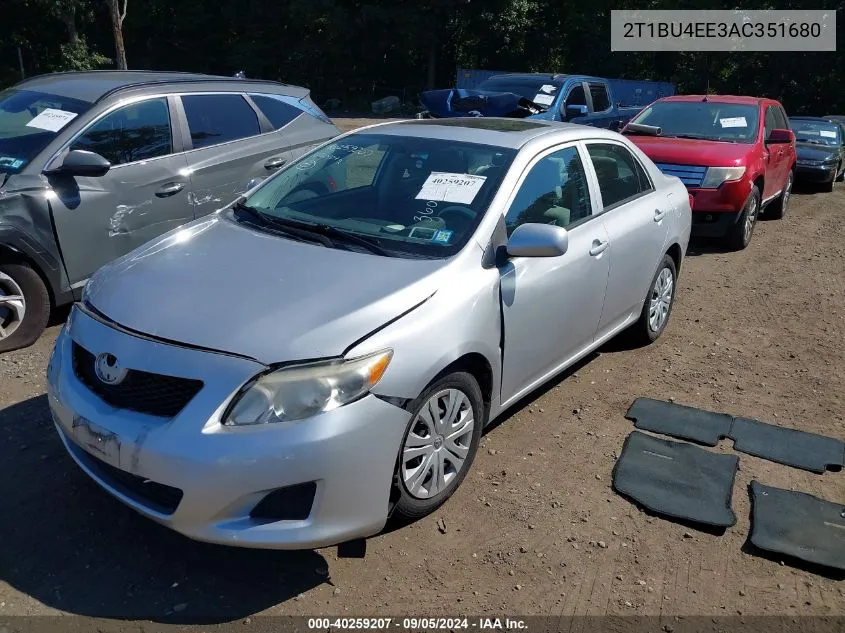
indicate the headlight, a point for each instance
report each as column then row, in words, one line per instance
column 295, row 393
column 717, row 175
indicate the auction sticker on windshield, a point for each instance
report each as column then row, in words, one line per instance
column 735, row 121
column 543, row 99
column 52, row 120
column 447, row 187
column 827, row 133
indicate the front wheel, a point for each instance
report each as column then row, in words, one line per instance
column 658, row 303
column 24, row 306
column 740, row 233
column 440, row 444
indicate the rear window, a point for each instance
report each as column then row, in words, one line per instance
column 277, row 111
column 215, row 119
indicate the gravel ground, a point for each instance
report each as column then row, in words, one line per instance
column 535, row 528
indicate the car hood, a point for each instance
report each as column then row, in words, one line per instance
column 810, row 151
column 683, row 151
column 223, row 286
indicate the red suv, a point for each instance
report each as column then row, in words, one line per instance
column 735, row 155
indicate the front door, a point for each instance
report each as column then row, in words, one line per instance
column 551, row 305
column 144, row 194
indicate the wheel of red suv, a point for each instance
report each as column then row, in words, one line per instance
column 657, row 305
column 777, row 209
column 24, row 306
column 439, row 444
column 739, row 235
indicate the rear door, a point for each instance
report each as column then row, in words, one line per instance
column 602, row 113
column 636, row 217
column 230, row 142
column 144, row 194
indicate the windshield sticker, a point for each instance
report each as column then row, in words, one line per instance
column 734, row 121
column 442, row 237
column 449, row 187
column 548, row 88
column 11, row 162
column 827, row 133
column 421, row 233
column 543, row 99
column 52, row 120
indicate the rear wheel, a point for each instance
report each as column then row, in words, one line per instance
column 24, row 306
column 440, row 444
column 740, row 233
column 777, row 209
column 658, row 304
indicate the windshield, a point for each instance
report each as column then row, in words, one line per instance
column 707, row 120
column 410, row 196
column 540, row 91
column 816, row 132
column 29, row 121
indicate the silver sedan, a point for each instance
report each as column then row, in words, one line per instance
column 328, row 349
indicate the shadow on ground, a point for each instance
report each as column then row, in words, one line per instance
column 69, row 545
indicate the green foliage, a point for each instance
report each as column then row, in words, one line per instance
column 362, row 50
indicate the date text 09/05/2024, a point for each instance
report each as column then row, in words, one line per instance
column 417, row 624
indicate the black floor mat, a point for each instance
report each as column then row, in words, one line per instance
column 798, row 525
column 677, row 420
column 787, row 446
column 677, row 480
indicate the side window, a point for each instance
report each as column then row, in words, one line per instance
column 576, row 96
column 554, row 192
column 770, row 122
column 600, row 100
column 139, row 131
column 214, row 119
column 781, row 121
column 277, row 111
column 621, row 177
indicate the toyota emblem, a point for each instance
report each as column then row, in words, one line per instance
column 108, row 369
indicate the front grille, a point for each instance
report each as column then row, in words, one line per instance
column 141, row 391
column 690, row 175
column 159, row 497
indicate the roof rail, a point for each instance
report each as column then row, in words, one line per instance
column 209, row 79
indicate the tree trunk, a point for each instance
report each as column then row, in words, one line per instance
column 69, row 18
column 118, row 14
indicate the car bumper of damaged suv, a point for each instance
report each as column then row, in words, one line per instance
column 311, row 483
column 715, row 211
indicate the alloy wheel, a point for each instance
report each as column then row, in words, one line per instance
column 437, row 444
column 750, row 218
column 661, row 300
column 12, row 306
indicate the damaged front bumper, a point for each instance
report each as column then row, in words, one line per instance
column 313, row 483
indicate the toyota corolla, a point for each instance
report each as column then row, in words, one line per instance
column 328, row 349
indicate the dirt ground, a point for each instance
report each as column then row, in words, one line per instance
column 535, row 529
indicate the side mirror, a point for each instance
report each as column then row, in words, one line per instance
column 538, row 240
column 573, row 111
column 781, row 136
column 79, row 162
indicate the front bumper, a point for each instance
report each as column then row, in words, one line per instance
column 815, row 173
column 222, row 473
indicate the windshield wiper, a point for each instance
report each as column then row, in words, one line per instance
column 276, row 224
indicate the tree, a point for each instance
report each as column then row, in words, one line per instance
column 118, row 15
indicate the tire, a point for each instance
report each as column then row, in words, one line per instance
column 644, row 331
column 419, row 493
column 777, row 209
column 21, row 320
column 739, row 235
column 827, row 187
column 840, row 174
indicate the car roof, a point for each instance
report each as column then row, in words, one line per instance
column 821, row 119
column 543, row 76
column 95, row 85
column 739, row 99
column 496, row 131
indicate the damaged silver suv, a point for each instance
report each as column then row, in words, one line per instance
column 94, row 164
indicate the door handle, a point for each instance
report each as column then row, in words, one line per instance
column 170, row 188
column 274, row 163
column 598, row 247
column 659, row 214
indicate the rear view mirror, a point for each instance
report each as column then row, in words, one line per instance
column 538, row 240
column 80, row 162
column 573, row 111
column 781, row 136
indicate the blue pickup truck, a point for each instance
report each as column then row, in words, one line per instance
column 607, row 103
